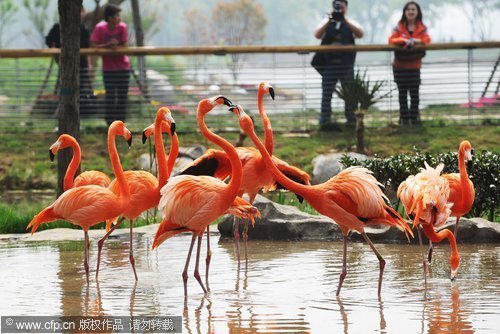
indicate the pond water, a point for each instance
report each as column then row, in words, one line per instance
column 287, row 287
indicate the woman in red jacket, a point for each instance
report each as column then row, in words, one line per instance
column 406, row 66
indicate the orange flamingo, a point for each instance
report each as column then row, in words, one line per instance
column 424, row 197
column 144, row 186
column 89, row 177
column 191, row 203
column 255, row 174
column 352, row 198
column 89, row 205
column 461, row 188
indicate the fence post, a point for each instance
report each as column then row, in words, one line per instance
column 389, row 80
column 469, row 82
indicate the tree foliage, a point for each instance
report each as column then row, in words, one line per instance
column 38, row 12
column 8, row 9
column 241, row 22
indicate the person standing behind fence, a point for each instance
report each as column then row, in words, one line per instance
column 337, row 29
column 112, row 33
column 406, row 66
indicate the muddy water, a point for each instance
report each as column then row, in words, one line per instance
column 287, row 287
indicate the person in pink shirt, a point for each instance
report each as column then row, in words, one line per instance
column 112, row 33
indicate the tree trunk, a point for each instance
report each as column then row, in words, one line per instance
column 139, row 40
column 360, row 131
column 69, row 109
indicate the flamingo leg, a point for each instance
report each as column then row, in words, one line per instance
column 100, row 243
column 209, row 257
column 131, row 255
column 186, row 266
column 236, row 232
column 456, row 228
column 343, row 274
column 197, row 265
column 380, row 259
column 245, row 239
column 86, row 260
column 424, row 263
column 429, row 256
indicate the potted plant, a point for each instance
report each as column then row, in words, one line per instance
column 361, row 94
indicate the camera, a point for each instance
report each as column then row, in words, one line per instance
column 337, row 13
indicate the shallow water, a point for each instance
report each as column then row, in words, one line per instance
column 287, row 287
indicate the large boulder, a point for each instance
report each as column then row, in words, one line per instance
column 327, row 165
column 284, row 222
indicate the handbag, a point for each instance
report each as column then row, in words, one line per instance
column 320, row 61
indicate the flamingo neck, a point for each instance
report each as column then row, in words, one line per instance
column 73, row 165
column 234, row 184
column 161, row 155
column 172, row 155
column 117, row 167
column 464, row 177
column 437, row 237
column 268, row 130
column 291, row 185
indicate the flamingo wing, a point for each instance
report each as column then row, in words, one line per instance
column 190, row 203
column 241, row 208
column 293, row 173
column 84, row 206
column 212, row 163
column 92, row 177
column 460, row 207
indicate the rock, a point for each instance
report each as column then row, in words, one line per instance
column 186, row 156
column 327, row 165
column 284, row 222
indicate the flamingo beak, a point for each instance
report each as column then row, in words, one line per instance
column 227, row 102
column 129, row 142
column 51, row 155
column 172, row 128
column 271, row 92
column 144, row 136
column 234, row 109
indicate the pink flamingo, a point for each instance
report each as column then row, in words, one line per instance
column 191, row 203
column 352, row 198
column 255, row 174
column 88, row 177
column 424, row 197
column 88, row 205
column 144, row 187
column 462, row 192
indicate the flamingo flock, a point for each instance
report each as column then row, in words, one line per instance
column 215, row 183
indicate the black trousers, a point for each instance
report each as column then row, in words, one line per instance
column 116, row 84
column 408, row 82
column 328, row 83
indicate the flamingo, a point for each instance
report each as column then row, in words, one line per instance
column 424, row 197
column 352, row 198
column 91, row 204
column 144, row 187
column 192, row 202
column 89, row 177
column 461, row 188
column 255, row 174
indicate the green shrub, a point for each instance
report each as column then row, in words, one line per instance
column 483, row 171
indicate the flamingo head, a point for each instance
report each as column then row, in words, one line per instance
column 466, row 150
column 454, row 263
column 246, row 122
column 63, row 141
column 150, row 130
column 165, row 115
column 265, row 87
column 206, row 105
column 118, row 128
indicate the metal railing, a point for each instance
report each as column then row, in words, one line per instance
column 460, row 83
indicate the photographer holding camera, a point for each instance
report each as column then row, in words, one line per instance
column 337, row 29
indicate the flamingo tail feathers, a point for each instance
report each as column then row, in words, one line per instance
column 165, row 231
column 47, row 215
